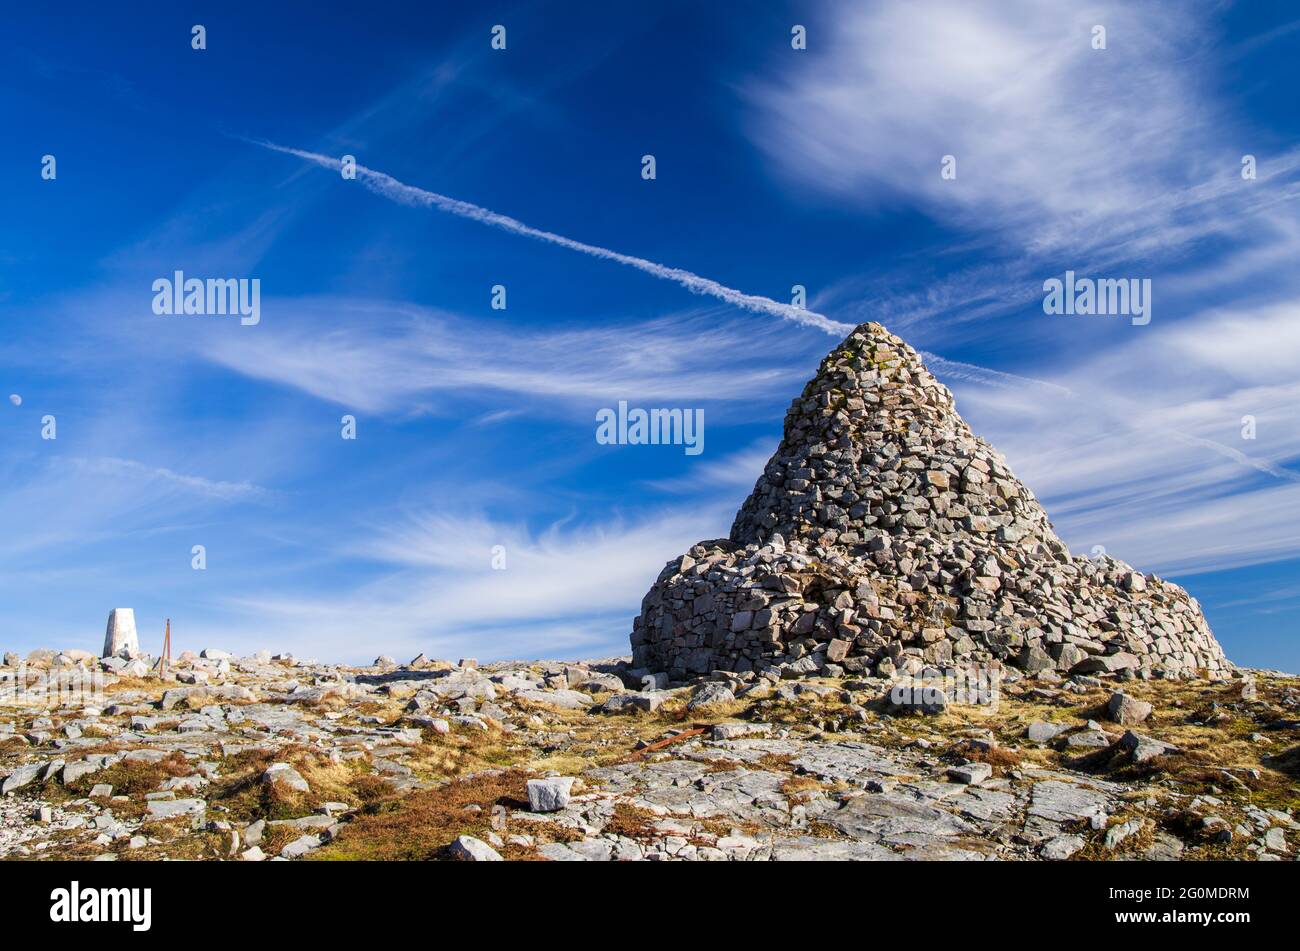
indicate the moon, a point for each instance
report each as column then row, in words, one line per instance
column 15, row 399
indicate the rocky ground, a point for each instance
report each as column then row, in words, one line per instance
column 260, row 758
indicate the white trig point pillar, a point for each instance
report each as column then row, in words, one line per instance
column 121, row 633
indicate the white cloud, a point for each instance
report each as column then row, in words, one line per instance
column 1144, row 454
column 570, row 588
column 382, row 357
column 1053, row 139
column 113, row 467
column 739, row 470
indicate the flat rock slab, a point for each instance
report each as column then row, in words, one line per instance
column 738, row 796
column 633, row 776
column 847, row 762
column 162, row 809
column 987, row 805
column 890, row 819
column 564, row 699
column 1052, row 803
column 810, row 849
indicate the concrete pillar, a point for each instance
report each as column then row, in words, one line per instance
column 121, row 633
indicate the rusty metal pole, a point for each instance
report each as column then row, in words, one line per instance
column 166, row 651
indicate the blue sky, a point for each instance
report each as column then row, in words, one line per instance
column 475, row 426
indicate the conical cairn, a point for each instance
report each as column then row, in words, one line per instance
column 884, row 536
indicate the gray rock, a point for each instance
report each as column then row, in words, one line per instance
column 1118, row 833
column 162, row 809
column 301, row 846
column 890, row 818
column 633, row 702
column 1145, row 748
column 1070, row 656
column 808, row 849
column 1033, row 659
column 559, row 852
column 928, row 699
column 563, row 699
column 1107, row 664
column 286, row 777
column 1126, row 710
column 600, row 683
column 1061, row 847
column 466, row 848
column 1088, row 739
column 1043, row 732
column 253, row 832
column 1164, row 848
column 1052, row 802
column 91, row 764
column 710, row 694
column 20, row 777
column 971, row 774
column 733, row 731
column 549, row 795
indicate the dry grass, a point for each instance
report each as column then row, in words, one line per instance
column 388, row 709
column 151, row 688
column 1137, row 843
column 461, row 752
column 1002, row 759
column 242, row 797
column 802, row 788
column 420, row 826
column 674, row 713
column 134, row 779
column 633, row 822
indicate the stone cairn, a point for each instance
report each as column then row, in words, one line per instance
column 885, row 537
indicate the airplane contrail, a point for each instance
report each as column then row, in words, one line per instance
column 391, row 188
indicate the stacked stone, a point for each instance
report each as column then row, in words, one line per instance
column 884, row 535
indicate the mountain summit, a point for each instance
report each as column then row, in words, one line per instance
column 884, row 536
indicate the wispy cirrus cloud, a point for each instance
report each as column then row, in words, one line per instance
column 114, row 467
column 383, row 356
column 1053, row 139
column 1146, row 455
column 736, row 472
column 1067, row 156
column 440, row 594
